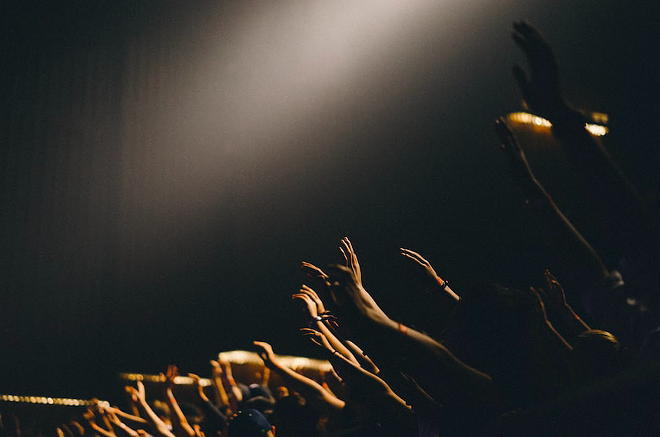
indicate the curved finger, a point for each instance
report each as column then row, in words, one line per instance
column 311, row 292
column 412, row 258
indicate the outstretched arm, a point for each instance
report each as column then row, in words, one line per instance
column 314, row 307
column 315, row 394
column 434, row 367
column 180, row 424
column 158, row 425
column 434, row 282
column 576, row 254
column 558, row 309
column 613, row 196
column 374, row 388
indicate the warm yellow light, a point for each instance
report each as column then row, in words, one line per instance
column 181, row 380
column 245, row 357
column 594, row 129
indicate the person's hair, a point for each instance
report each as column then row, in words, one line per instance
column 596, row 355
column 248, row 423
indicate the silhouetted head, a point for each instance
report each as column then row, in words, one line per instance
column 596, row 356
column 250, row 423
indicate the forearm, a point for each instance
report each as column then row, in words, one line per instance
column 373, row 387
column 315, row 394
column 571, row 324
column 334, row 341
column 180, row 424
column 219, row 392
column 431, row 364
column 130, row 417
column 235, row 396
column 610, row 192
column 153, row 419
column 579, row 259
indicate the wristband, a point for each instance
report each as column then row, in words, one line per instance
column 443, row 284
column 403, row 329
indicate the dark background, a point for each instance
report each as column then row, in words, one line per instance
column 166, row 165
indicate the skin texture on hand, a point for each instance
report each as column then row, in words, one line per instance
column 349, row 293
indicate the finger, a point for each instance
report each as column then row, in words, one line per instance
column 412, row 258
column 536, row 294
column 348, row 244
column 523, row 27
column 417, row 256
column 541, row 292
column 304, row 293
column 345, row 256
column 522, row 42
column 307, row 290
column 550, row 278
column 313, row 271
column 338, row 271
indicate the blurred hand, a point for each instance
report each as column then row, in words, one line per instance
column 553, row 295
column 198, row 385
column 168, row 378
column 266, row 353
column 317, row 338
column 540, row 88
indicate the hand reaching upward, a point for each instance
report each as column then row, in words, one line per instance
column 540, row 87
column 350, row 259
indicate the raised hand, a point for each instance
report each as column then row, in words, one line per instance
column 317, row 338
column 168, row 378
column 320, row 308
column 266, row 353
column 349, row 293
column 310, row 306
column 200, row 389
column 433, row 280
column 554, row 296
column 350, row 258
column 119, row 425
column 540, row 87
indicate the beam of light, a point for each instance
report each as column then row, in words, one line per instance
column 236, row 109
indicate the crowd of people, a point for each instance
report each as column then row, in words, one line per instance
column 508, row 362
